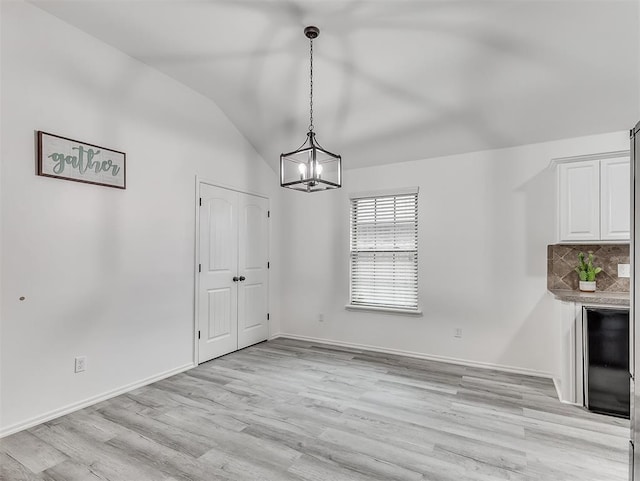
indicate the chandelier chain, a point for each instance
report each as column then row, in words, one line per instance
column 310, row 85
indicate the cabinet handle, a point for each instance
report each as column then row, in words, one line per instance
column 242, row 278
column 235, row 279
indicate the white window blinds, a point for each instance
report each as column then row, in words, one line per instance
column 384, row 251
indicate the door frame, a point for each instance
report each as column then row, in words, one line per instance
column 196, row 276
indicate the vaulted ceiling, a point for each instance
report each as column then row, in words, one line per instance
column 394, row 80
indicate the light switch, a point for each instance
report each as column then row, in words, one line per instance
column 624, row 270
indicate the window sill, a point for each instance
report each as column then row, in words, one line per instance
column 389, row 310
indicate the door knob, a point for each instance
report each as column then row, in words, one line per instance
column 242, row 278
column 235, row 279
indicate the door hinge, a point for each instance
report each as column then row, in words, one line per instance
column 199, row 267
column 267, row 316
column 268, row 213
column 198, row 334
column 200, row 201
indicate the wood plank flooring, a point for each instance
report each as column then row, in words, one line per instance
column 287, row 410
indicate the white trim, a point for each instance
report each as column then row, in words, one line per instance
column 590, row 242
column 382, row 310
column 196, row 275
column 56, row 413
column 269, row 234
column 571, row 404
column 384, row 193
column 420, row 355
column 230, row 187
column 582, row 158
column 556, row 384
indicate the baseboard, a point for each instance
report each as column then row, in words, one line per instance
column 276, row 336
column 56, row 413
column 571, row 403
column 419, row 355
column 559, row 395
column 556, row 384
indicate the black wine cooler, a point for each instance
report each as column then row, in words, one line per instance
column 607, row 361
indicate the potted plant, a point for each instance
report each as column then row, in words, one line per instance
column 587, row 272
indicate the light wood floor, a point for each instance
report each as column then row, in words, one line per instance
column 290, row 410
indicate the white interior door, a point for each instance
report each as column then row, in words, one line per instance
column 252, row 267
column 218, row 292
column 233, row 287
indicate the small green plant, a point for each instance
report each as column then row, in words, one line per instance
column 586, row 270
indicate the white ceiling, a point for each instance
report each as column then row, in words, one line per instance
column 394, row 80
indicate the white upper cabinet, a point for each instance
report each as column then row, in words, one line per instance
column 615, row 199
column 594, row 199
column 579, row 184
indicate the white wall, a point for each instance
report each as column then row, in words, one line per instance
column 106, row 273
column 109, row 274
column 485, row 220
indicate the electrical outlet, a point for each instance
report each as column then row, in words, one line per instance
column 81, row 363
column 457, row 332
column 624, row 270
column 320, row 317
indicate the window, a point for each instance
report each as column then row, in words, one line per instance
column 384, row 250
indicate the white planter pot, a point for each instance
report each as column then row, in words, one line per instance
column 587, row 286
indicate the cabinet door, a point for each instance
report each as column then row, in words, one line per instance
column 579, row 202
column 615, row 199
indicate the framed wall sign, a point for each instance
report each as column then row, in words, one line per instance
column 69, row 159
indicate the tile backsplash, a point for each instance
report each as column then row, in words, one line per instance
column 563, row 258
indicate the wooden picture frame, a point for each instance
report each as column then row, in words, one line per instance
column 68, row 159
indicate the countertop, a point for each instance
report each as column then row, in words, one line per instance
column 588, row 298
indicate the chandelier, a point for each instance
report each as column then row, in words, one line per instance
column 310, row 168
